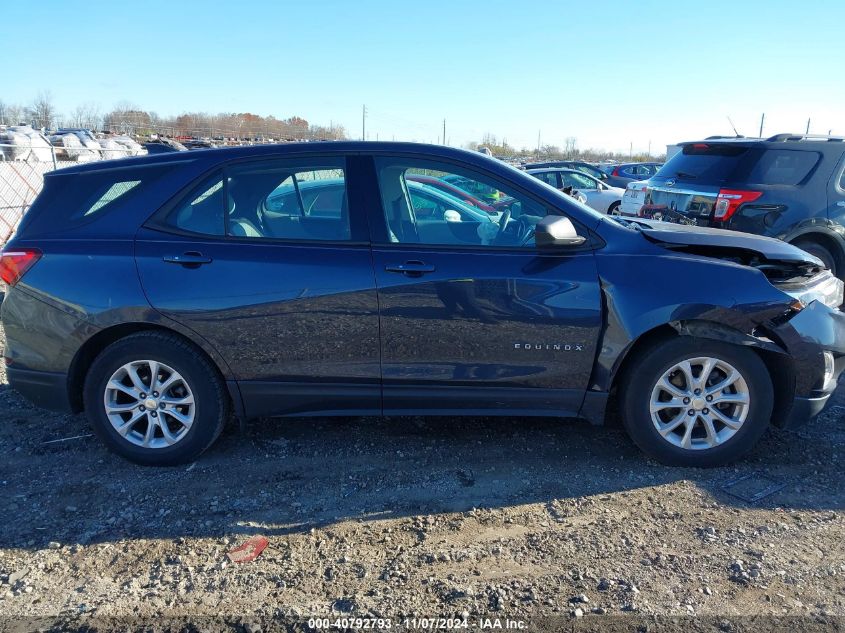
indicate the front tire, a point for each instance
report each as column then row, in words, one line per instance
column 615, row 208
column 155, row 399
column 696, row 402
column 816, row 249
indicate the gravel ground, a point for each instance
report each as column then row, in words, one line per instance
column 504, row 518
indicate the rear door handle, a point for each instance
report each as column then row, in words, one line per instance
column 412, row 268
column 191, row 258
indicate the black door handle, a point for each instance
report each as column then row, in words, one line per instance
column 190, row 259
column 413, row 268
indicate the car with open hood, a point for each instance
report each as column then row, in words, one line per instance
column 164, row 295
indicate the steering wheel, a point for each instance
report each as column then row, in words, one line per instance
column 524, row 231
column 503, row 224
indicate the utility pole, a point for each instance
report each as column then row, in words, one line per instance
column 808, row 126
column 631, row 150
column 649, row 150
column 364, row 123
column 538, row 144
column 444, row 131
column 762, row 120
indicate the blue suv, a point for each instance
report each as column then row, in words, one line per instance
column 165, row 294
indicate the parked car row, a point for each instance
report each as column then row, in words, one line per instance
column 579, row 165
column 597, row 195
column 621, row 175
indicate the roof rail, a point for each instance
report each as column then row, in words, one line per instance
column 804, row 137
column 713, row 138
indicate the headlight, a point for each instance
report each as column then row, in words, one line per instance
column 825, row 288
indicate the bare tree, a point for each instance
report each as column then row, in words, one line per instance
column 549, row 151
column 570, row 146
column 87, row 116
column 42, row 112
column 128, row 118
column 15, row 114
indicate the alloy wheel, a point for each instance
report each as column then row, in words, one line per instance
column 699, row 403
column 149, row 404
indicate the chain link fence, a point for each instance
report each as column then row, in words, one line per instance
column 22, row 172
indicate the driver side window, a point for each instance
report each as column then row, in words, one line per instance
column 426, row 202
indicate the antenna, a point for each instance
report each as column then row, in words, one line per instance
column 733, row 126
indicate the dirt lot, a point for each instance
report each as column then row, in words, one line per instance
column 458, row 517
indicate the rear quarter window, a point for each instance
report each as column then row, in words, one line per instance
column 77, row 198
column 783, row 167
column 111, row 195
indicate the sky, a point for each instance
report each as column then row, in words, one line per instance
column 614, row 75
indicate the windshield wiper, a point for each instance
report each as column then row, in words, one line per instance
column 628, row 224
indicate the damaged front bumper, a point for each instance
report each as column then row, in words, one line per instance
column 815, row 339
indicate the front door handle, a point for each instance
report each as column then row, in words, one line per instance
column 841, row 203
column 413, row 268
column 190, row 259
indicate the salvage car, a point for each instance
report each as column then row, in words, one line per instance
column 165, row 294
column 788, row 186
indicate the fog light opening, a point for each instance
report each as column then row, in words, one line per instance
column 828, row 371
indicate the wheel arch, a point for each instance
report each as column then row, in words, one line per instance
column 779, row 365
column 94, row 345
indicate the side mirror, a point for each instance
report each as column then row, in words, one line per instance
column 556, row 230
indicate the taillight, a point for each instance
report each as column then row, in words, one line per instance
column 14, row 263
column 729, row 200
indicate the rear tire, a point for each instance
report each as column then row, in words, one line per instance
column 163, row 423
column 816, row 249
column 726, row 421
column 614, row 208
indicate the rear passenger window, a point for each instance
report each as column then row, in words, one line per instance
column 842, row 181
column 783, row 167
column 548, row 177
column 269, row 200
column 274, row 201
column 202, row 210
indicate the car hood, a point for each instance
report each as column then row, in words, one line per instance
column 700, row 239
